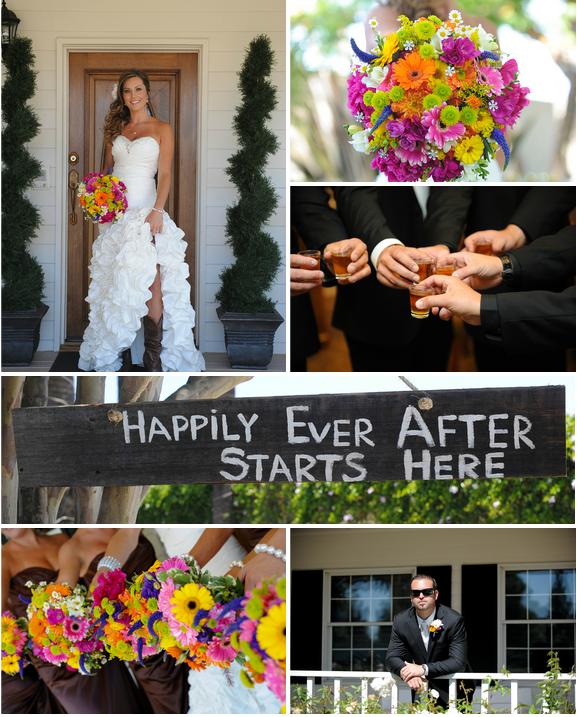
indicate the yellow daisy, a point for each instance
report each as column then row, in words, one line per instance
column 10, row 664
column 390, row 46
column 469, row 150
column 189, row 600
column 271, row 632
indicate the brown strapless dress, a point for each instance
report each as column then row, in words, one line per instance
column 165, row 682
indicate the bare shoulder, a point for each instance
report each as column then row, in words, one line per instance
column 164, row 130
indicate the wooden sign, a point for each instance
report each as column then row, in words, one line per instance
column 476, row 433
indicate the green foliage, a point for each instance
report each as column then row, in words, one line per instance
column 556, row 695
column 177, row 504
column 322, row 703
column 244, row 285
column 23, row 279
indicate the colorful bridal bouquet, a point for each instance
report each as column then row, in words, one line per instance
column 433, row 100
column 261, row 636
column 102, row 197
column 62, row 627
column 14, row 644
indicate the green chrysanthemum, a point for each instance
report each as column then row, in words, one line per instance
column 427, row 51
column 430, row 101
column 396, row 93
column 368, row 98
column 425, row 29
column 443, row 90
column 380, row 100
column 468, row 115
column 449, row 115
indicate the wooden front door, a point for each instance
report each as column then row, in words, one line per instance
column 174, row 95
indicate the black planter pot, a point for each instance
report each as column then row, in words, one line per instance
column 249, row 338
column 21, row 335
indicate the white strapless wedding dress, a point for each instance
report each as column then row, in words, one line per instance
column 123, row 267
column 214, row 690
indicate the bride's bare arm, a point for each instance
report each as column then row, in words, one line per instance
column 164, row 178
column 209, row 543
column 108, row 159
column 120, row 546
column 261, row 566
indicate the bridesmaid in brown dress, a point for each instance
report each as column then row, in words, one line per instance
column 28, row 555
column 94, row 550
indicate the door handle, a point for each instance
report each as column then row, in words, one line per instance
column 73, row 178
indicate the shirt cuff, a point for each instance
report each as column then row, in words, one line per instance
column 383, row 244
column 490, row 321
column 426, row 670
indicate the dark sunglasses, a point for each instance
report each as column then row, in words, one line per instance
column 427, row 592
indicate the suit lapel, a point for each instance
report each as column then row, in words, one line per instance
column 433, row 639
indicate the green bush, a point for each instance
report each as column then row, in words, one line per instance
column 177, row 504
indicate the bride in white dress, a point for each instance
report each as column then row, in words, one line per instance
column 214, row 690
column 138, row 274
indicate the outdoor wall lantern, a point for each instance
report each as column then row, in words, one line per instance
column 10, row 23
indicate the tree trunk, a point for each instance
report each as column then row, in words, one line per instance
column 32, row 503
column 207, row 387
column 60, row 499
column 89, row 389
column 120, row 504
column 11, row 398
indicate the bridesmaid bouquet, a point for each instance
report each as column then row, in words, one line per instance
column 260, row 634
column 102, row 197
column 433, row 100
column 14, row 644
column 62, row 627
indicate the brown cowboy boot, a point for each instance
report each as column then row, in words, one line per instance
column 152, row 344
column 126, row 361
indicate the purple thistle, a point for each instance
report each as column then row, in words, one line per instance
column 151, row 620
column 135, row 627
column 387, row 112
column 233, row 627
column 499, row 137
column 361, row 54
column 486, row 55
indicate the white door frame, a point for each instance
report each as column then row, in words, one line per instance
column 64, row 47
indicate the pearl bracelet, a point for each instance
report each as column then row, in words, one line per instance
column 109, row 562
column 161, row 211
column 236, row 564
column 270, row 550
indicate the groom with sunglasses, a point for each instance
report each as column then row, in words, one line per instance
column 428, row 640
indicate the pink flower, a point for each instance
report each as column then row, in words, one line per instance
column 509, row 71
column 456, row 51
column 176, row 562
column 446, row 169
column 221, row 651
column 507, row 107
column 492, row 77
column 110, row 584
column 437, row 133
column 247, row 630
column 75, row 628
column 54, row 615
column 275, row 679
column 356, row 88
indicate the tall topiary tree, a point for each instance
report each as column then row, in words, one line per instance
column 245, row 284
column 23, row 278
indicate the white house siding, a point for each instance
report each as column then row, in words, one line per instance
column 225, row 28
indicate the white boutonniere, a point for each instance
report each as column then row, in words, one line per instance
column 436, row 627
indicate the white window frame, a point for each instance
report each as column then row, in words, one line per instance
column 503, row 567
column 327, row 575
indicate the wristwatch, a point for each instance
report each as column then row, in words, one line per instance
column 507, row 272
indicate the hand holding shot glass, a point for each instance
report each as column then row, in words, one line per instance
column 305, row 273
column 400, row 266
column 349, row 260
column 448, row 295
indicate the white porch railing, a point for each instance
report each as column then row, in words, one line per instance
column 513, row 679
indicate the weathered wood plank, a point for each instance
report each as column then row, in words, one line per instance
column 481, row 433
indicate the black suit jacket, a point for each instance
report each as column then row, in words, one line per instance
column 447, row 651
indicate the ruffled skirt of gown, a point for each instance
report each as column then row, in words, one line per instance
column 123, row 267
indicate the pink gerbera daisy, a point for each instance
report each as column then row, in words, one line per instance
column 221, row 651
column 75, row 628
column 171, row 563
column 275, row 679
column 437, row 132
column 492, row 77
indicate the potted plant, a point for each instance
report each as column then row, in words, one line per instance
column 248, row 314
column 22, row 275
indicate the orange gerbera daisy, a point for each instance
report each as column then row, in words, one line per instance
column 413, row 70
column 100, row 198
column 410, row 105
column 474, row 102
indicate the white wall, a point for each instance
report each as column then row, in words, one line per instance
column 227, row 27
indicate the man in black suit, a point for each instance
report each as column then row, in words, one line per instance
column 428, row 641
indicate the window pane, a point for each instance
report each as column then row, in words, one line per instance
column 517, row 660
column 539, row 582
column 340, row 586
column 362, row 636
column 539, row 607
column 567, row 660
column 516, row 582
column 361, row 659
column 361, row 586
column 516, row 635
column 515, row 608
column 563, row 581
column 340, row 611
column 360, row 610
column 400, row 604
column 341, row 637
column 563, row 607
column 380, row 610
column 538, row 661
column 341, row 660
column 381, row 586
column 379, row 657
column 401, row 585
column 540, row 636
column 381, row 636
column 563, row 635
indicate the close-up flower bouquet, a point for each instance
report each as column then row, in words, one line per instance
column 261, row 636
column 63, row 628
column 14, row 644
column 433, row 101
column 102, row 197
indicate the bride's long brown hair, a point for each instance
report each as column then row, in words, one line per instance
column 118, row 113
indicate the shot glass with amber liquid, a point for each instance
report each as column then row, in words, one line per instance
column 417, row 292
column 445, row 265
column 426, row 266
column 341, row 260
column 484, row 246
column 312, row 254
